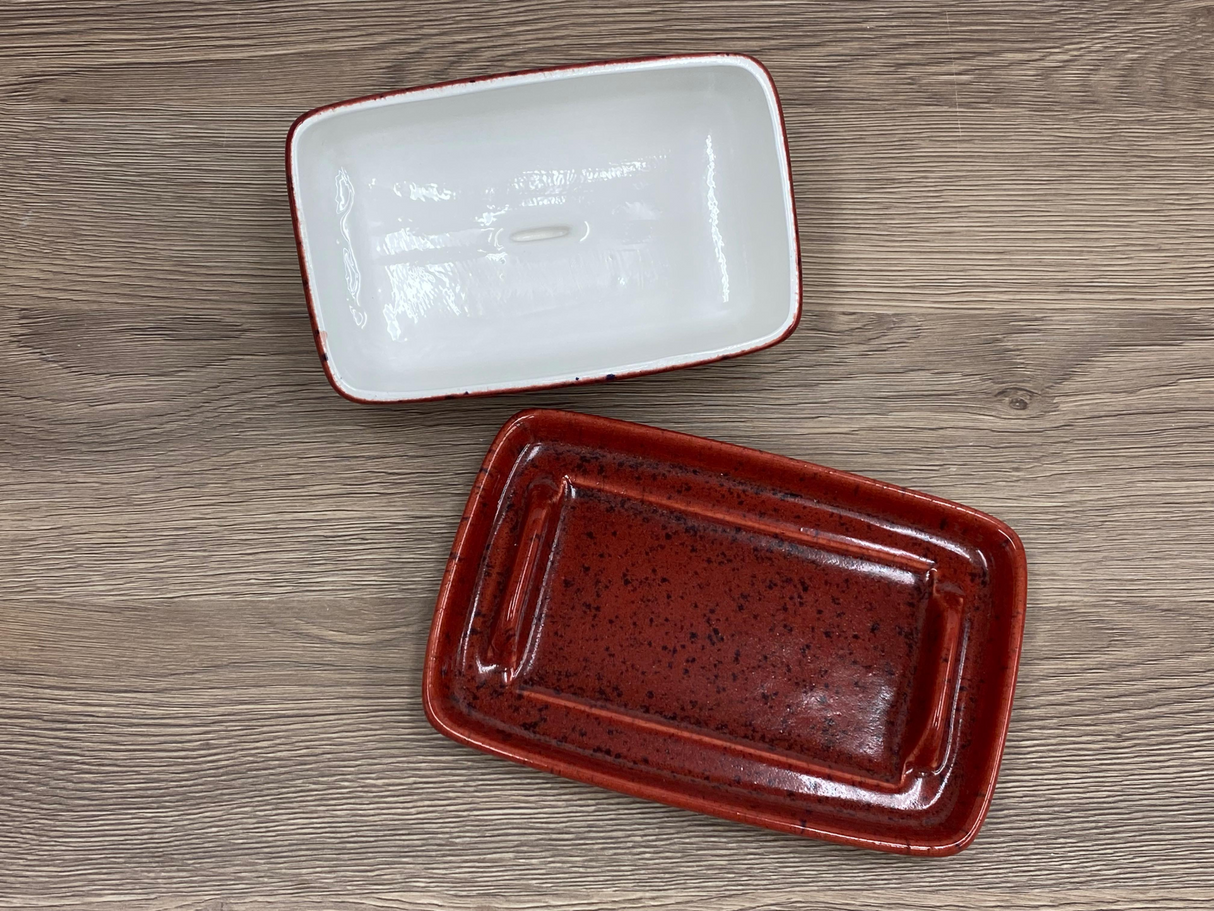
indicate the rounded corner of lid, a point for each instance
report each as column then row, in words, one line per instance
column 796, row 313
column 341, row 387
column 757, row 68
column 791, row 322
column 302, row 122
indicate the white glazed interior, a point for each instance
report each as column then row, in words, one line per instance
column 547, row 228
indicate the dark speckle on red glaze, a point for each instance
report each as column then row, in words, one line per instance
column 730, row 631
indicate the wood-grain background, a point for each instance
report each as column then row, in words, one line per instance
column 216, row 576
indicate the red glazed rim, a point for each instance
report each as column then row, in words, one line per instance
column 319, row 337
column 437, row 715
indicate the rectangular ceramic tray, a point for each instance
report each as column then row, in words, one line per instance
column 542, row 228
column 730, row 631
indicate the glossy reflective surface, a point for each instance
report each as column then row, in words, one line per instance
column 546, row 228
column 730, row 631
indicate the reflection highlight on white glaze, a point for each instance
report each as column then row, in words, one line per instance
column 418, row 289
column 714, row 218
column 345, row 204
column 419, row 192
column 405, row 240
column 556, row 186
column 554, row 200
column 638, row 210
column 423, row 291
column 430, row 192
column 561, row 180
column 491, row 214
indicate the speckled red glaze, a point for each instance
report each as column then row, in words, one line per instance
column 730, row 631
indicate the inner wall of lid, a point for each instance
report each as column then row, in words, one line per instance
column 552, row 230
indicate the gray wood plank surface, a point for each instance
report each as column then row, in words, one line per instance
column 216, row 576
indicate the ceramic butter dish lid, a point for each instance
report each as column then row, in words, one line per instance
column 731, row 632
column 543, row 228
